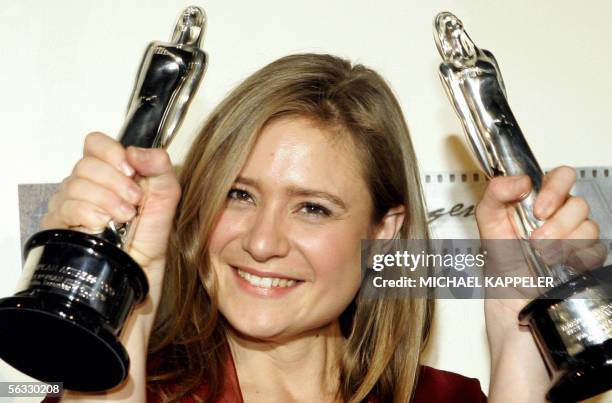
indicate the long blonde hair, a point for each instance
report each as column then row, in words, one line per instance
column 384, row 337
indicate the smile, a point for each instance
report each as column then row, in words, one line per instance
column 265, row 282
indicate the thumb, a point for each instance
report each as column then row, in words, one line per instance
column 149, row 161
column 501, row 191
column 154, row 164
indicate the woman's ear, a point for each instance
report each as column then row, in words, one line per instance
column 390, row 224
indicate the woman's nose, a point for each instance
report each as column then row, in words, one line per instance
column 266, row 237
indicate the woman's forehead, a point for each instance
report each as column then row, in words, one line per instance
column 299, row 150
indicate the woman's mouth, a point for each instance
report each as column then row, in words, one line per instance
column 261, row 285
column 265, row 282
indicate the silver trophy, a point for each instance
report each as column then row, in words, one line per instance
column 572, row 322
column 77, row 289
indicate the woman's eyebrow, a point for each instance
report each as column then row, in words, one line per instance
column 298, row 191
column 246, row 181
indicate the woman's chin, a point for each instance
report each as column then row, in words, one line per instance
column 259, row 331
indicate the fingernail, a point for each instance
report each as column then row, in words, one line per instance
column 128, row 210
column 127, row 168
column 140, row 153
column 133, row 193
column 543, row 209
column 521, row 182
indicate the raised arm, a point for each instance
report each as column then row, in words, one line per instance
column 111, row 182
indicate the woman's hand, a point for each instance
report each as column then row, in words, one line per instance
column 110, row 182
column 566, row 216
column 113, row 183
column 518, row 373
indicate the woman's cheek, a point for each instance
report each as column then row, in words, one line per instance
column 335, row 257
column 229, row 226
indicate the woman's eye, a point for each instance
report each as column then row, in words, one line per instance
column 239, row 195
column 316, row 209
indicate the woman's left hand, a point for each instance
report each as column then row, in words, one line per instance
column 565, row 217
column 517, row 370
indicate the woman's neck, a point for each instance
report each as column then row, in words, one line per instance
column 301, row 368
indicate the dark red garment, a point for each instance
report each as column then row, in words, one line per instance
column 434, row 386
column 437, row 386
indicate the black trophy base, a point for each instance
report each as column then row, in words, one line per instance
column 572, row 325
column 64, row 323
column 581, row 384
column 77, row 351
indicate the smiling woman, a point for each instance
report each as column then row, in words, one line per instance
column 255, row 269
column 303, row 160
column 284, row 237
column 253, row 252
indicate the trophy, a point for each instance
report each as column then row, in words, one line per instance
column 77, row 289
column 571, row 322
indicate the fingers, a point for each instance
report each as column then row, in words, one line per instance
column 101, row 187
column 581, row 255
column 588, row 229
column 500, row 192
column 95, row 195
column 105, row 148
column 99, row 172
column 77, row 214
column 144, row 161
column 569, row 221
column 586, row 258
column 567, row 217
column 149, row 161
column 155, row 164
column 555, row 190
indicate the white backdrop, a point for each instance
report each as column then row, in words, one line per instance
column 67, row 68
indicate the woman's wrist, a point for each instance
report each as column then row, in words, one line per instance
column 518, row 373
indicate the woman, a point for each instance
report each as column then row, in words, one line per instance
column 255, row 272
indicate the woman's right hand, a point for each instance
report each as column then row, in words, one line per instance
column 113, row 183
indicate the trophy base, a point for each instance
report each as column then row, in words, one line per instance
column 581, row 384
column 572, row 325
column 49, row 340
column 75, row 295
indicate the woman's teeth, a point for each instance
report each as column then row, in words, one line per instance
column 266, row 282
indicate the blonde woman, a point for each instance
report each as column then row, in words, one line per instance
column 253, row 251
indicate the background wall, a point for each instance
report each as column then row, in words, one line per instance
column 68, row 67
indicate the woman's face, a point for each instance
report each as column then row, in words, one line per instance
column 286, row 249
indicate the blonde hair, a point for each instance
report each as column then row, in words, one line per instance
column 384, row 337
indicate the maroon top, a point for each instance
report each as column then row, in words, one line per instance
column 434, row 386
column 437, row 386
